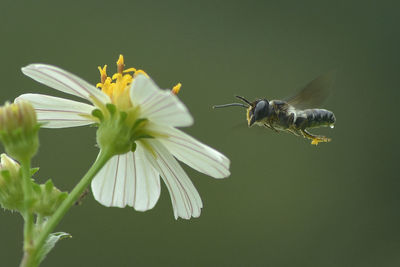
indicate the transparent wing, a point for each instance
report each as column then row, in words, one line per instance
column 314, row 93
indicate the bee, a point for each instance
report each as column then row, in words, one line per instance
column 295, row 114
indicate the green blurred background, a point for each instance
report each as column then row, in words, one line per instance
column 287, row 203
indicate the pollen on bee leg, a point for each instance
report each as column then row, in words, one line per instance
column 175, row 90
column 320, row 139
column 315, row 139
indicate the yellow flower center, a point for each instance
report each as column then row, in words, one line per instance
column 117, row 86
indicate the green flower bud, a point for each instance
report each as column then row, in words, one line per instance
column 19, row 130
column 11, row 191
column 47, row 198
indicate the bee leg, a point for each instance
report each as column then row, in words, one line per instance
column 296, row 133
column 315, row 139
column 270, row 126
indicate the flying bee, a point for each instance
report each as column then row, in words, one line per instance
column 295, row 114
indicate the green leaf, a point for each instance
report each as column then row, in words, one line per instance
column 49, row 245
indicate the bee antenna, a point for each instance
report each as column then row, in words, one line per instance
column 243, row 99
column 231, row 105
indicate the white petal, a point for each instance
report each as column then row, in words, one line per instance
column 192, row 152
column 58, row 112
column 160, row 106
column 64, row 81
column 184, row 196
column 127, row 180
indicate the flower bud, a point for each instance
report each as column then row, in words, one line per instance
column 11, row 191
column 47, row 198
column 19, row 130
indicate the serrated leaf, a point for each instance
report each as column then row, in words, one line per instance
column 49, row 245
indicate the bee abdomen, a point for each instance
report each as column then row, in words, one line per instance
column 315, row 118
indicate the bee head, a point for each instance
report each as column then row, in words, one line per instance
column 258, row 110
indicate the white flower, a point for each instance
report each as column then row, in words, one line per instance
column 132, row 179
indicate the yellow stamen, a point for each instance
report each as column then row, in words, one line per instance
column 141, row 72
column 130, row 70
column 175, row 90
column 116, row 76
column 107, row 86
column 120, row 64
column 103, row 73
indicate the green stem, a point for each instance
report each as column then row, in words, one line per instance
column 28, row 214
column 103, row 157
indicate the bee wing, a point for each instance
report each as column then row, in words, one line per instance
column 314, row 93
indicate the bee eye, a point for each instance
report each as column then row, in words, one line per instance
column 261, row 110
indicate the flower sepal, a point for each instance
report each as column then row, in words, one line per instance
column 117, row 129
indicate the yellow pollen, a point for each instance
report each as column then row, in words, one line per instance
column 175, row 90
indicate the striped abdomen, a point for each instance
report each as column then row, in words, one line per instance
column 309, row 118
